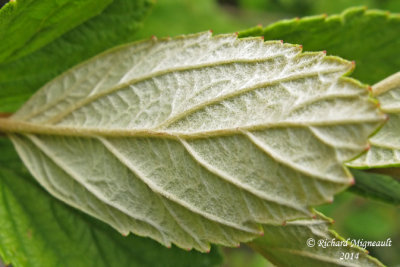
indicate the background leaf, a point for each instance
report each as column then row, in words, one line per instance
column 307, row 7
column 370, row 37
column 214, row 142
column 289, row 245
column 116, row 25
column 377, row 186
column 40, row 22
column 37, row 230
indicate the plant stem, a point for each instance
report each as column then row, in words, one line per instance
column 4, row 115
column 387, row 84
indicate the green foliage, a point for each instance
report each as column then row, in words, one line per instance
column 369, row 37
column 309, row 7
column 37, row 230
column 41, row 22
column 332, row 7
column 377, row 186
column 116, row 25
column 243, row 256
column 298, row 7
column 175, row 17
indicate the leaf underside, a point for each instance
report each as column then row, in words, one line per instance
column 196, row 139
column 38, row 231
column 385, row 144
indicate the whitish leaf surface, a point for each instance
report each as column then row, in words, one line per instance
column 305, row 243
column 385, row 144
column 197, row 139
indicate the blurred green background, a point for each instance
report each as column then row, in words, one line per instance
column 355, row 217
column 174, row 17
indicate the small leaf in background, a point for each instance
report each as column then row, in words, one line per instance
column 370, row 37
column 117, row 24
column 40, row 22
column 377, row 186
column 329, row 6
column 390, row 171
column 300, row 243
column 37, row 230
column 217, row 135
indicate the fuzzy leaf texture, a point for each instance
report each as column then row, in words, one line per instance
column 38, row 231
column 301, row 243
column 385, row 145
column 196, row 139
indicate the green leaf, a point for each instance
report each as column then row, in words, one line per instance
column 27, row 25
column 197, row 139
column 301, row 243
column 115, row 25
column 385, row 144
column 377, row 186
column 370, row 37
column 37, row 230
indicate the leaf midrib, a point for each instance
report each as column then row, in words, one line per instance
column 21, row 127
